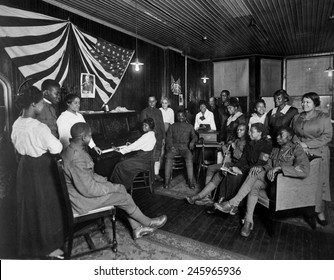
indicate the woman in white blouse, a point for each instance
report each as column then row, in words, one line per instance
column 70, row 117
column 167, row 112
column 126, row 170
column 39, row 211
column 204, row 117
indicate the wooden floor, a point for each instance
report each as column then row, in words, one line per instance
column 288, row 242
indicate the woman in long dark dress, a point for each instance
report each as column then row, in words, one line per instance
column 314, row 131
column 229, row 131
column 39, row 214
column 126, row 170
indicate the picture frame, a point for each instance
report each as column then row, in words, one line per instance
column 181, row 101
column 87, row 85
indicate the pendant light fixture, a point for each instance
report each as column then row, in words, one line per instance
column 330, row 69
column 136, row 63
column 204, row 78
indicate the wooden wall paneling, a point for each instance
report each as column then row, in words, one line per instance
column 253, row 81
column 206, row 69
column 194, row 90
column 175, row 68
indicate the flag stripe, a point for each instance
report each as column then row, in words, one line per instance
column 38, row 54
column 18, row 36
column 37, row 44
column 47, row 71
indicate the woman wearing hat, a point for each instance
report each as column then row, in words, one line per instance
column 204, row 117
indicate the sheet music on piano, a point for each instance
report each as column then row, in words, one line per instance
column 112, row 149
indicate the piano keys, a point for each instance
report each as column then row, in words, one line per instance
column 111, row 129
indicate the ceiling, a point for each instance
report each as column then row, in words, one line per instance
column 215, row 29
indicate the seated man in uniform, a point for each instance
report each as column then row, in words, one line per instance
column 181, row 138
column 289, row 158
column 89, row 190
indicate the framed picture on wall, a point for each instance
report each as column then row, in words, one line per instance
column 181, row 103
column 87, row 82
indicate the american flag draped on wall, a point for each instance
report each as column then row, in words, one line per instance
column 37, row 44
column 39, row 47
column 107, row 61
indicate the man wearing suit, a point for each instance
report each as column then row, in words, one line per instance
column 159, row 128
column 49, row 114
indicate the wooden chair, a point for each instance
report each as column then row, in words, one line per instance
column 288, row 193
column 178, row 164
column 145, row 176
column 74, row 221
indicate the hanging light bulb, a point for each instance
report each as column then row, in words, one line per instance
column 204, row 78
column 137, row 64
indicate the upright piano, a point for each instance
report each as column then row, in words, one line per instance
column 111, row 129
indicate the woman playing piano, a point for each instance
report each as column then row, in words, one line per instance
column 126, row 170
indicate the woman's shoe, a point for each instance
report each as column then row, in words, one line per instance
column 322, row 222
column 57, row 254
column 190, row 200
column 226, row 207
column 246, row 229
column 141, row 231
column 205, row 201
column 158, row 222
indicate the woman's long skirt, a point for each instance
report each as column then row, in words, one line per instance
column 126, row 170
column 39, row 211
column 323, row 187
column 231, row 184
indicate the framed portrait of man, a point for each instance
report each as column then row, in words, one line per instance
column 87, row 82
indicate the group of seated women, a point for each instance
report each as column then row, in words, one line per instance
column 280, row 141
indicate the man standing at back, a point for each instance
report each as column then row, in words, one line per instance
column 223, row 112
column 180, row 140
column 49, row 114
column 152, row 112
column 215, row 110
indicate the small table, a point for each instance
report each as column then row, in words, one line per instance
column 202, row 163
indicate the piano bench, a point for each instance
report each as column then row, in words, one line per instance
column 145, row 177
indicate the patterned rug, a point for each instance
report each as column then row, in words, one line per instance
column 161, row 245
column 178, row 189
